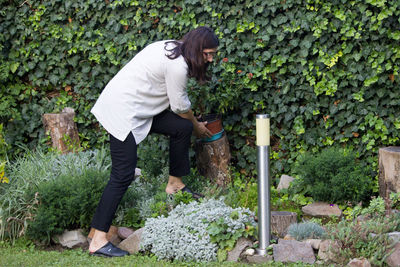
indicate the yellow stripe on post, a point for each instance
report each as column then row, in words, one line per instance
column 262, row 130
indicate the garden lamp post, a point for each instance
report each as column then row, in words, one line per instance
column 264, row 210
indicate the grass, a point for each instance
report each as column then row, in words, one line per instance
column 29, row 256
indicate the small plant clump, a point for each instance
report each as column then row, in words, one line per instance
column 367, row 239
column 195, row 231
column 333, row 175
column 307, row 230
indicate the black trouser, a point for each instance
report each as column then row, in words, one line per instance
column 124, row 158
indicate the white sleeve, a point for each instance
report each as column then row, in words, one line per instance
column 176, row 82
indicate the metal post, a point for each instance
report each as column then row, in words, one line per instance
column 264, row 210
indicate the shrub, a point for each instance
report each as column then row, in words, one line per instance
column 367, row 239
column 187, row 233
column 307, row 230
column 65, row 203
column 334, row 176
column 34, row 168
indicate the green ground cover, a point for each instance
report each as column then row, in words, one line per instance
column 29, row 256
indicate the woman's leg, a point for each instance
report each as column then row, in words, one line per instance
column 179, row 131
column 123, row 159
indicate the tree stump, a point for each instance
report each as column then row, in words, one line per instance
column 62, row 130
column 281, row 220
column 389, row 170
column 213, row 159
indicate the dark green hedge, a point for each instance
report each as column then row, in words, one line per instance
column 326, row 71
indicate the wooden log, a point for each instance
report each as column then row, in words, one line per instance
column 389, row 171
column 281, row 220
column 213, row 160
column 62, row 130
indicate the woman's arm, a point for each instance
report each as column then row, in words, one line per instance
column 200, row 129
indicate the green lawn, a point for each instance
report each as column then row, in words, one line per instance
column 32, row 257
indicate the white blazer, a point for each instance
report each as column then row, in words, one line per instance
column 143, row 88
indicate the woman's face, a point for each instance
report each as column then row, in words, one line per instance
column 209, row 54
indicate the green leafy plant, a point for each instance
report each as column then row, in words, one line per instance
column 222, row 234
column 366, row 239
column 333, row 175
column 37, row 167
column 327, row 72
column 65, row 203
column 376, row 207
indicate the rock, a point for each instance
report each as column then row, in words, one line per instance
column 258, row 259
column 250, row 252
column 281, row 220
column 394, row 258
column 293, row 251
column 138, row 172
column 327, row 250
column 394, row 237
column 132, row 243
column 315, row 243
column 321, row 209
column 112, row 235
column 284, row 182
column 289, row 237
column 72, row 239
column 240, row 246
column 124, row 232
column 359, row 263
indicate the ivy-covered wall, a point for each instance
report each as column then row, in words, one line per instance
column 326, row 71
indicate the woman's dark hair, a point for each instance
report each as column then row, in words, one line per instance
column 191, row 48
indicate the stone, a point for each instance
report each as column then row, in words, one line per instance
column 327, row 250
column 124, row 232
column 394, row 237
column 132, row 243
column 258, row 259
column 359, row 263
column 241, row 244
column 394, row 258
column 138, row 172
column 321, row 209
column 72, row 239
column 281, row 220
column 315, row 243
column 289, row 237
column 284, row 182
column 250, row 252
column 112, row 235
column 293, row 251
column 389, row 170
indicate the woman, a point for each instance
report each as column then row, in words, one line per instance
column 149, row 95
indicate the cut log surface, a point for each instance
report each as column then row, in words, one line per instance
column 62, row 130
column 389, row 170
column 281, row 220
column 213, row 159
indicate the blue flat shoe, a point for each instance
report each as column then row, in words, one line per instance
column 109, row 250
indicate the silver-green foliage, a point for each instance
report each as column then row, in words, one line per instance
column 183, row 234
column 301, row 231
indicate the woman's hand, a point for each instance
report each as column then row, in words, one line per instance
column 201, row 131
column 199, row 127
